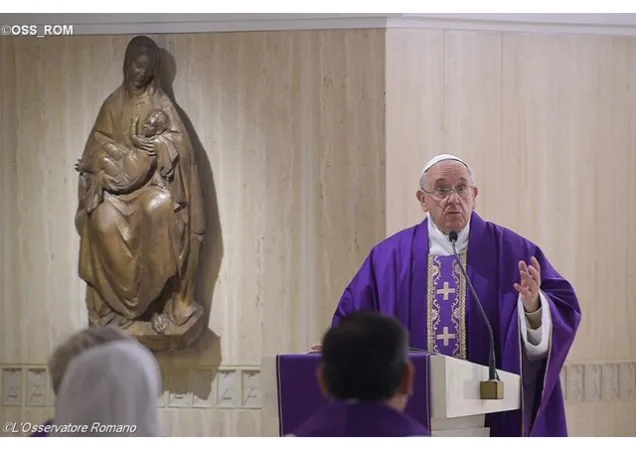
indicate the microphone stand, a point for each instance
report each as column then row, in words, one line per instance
column 491, row 389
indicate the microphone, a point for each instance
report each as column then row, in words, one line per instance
column 493, row 388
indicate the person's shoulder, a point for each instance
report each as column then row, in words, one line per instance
column 321, row 422
column 399, row 239
column 417, row 429
column 394, row 248
column 412, row 427
column 509, row 237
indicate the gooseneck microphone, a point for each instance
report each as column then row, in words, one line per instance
column 493, row 388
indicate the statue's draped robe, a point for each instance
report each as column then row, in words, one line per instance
column 359, row 419
column 132, row 244
column 401, row 278
column 135, row 169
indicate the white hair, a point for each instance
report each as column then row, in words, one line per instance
column 423, row 176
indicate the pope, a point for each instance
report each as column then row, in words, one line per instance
column 534, row 312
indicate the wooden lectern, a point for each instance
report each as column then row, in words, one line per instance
column 451, row 391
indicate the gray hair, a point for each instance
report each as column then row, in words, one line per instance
column 424, row 178
column 78, row 343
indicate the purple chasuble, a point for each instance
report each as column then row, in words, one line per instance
column 399, row 278
column 360, row 419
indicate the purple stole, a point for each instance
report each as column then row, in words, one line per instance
column 446, row 306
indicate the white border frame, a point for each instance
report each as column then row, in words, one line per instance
column 112, row 24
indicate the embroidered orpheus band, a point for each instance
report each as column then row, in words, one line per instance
column 446, row 306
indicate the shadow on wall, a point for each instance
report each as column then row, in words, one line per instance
column 204, row 357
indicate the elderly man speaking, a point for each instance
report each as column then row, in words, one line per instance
column 414, row 275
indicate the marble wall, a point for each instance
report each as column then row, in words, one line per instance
column 548, row 123
column 312, row 146
column 291, row 127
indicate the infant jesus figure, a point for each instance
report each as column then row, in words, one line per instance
column 122, row 171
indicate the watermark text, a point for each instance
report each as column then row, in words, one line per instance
column 99, row 428
column 40, row 31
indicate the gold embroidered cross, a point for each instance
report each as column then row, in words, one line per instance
column 446, row 290
column 446, row 336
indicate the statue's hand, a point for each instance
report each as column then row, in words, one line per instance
column 137, row 141
column 145, row 144
column 77, row 165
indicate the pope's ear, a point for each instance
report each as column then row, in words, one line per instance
column 420, row 198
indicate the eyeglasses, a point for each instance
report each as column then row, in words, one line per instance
column 442, row 193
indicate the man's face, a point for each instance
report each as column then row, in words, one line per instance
column 449, row 195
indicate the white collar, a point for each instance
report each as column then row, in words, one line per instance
column 439, row 244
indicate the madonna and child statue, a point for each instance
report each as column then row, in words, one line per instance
column 140, row 215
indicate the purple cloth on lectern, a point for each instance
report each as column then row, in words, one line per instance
column 300, row 397
column 395, row 279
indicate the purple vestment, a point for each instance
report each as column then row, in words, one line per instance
column 361, row 419
column 395, row 280
column 300, row 396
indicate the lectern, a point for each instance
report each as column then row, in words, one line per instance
column 446, row 395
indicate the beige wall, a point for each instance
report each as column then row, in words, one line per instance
column 293, row 130
column 310, row 170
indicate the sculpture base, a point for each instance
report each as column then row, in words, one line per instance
column 175, row 338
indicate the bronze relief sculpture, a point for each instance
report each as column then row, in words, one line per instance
column 140, row 215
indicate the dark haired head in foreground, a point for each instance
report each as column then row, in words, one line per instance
column 366, row 370
column 366, row 358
